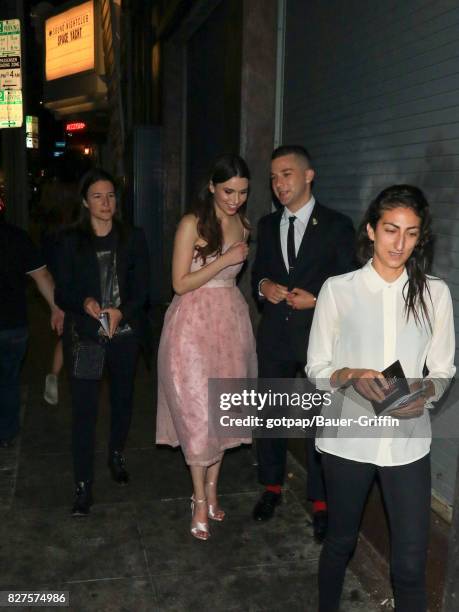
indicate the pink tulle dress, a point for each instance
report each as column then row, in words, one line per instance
column 206, row 334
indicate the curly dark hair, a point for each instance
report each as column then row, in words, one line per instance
column 419, row 263
column 224, row 168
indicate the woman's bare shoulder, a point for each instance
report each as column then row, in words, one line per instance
column 189, row 221
column 187, row 231
column 188, row 225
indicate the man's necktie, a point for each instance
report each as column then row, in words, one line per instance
column 291, row 255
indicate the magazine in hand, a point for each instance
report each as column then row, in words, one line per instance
column 104, row 320
column 398, row 393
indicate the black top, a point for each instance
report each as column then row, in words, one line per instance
column 18, row 256
column 106, row 256
column 109, row 286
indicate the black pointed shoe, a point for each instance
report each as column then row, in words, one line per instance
column 116, row 464
column 265, row 506
column 83, row 499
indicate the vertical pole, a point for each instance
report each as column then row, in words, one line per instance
column 13, row 141
column 281, row 13
column 258, row 107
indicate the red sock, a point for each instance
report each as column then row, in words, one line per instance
column 319, row 505
column 274, row 489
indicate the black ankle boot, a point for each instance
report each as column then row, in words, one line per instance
column 83, row 499
column 116, row 463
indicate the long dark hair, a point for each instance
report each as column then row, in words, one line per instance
column 83, row 223
column 224, row 168
column 418, row 264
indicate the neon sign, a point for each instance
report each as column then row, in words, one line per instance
column 75, row 126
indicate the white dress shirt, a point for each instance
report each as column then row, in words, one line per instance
column 360, row 322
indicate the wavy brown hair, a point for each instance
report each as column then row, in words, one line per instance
column 225, row 168
column 418, row 264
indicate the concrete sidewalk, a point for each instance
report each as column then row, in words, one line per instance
column 134, row 552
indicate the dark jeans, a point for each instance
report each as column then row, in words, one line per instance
column 121, row 361
column 406, row 492
column 13, row 344
column 272, row 452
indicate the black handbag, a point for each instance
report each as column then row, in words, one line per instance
column 88, row 359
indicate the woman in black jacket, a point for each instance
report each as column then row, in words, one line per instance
column 102, row 285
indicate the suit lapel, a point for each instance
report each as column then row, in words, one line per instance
column 311, row 239
column 276, row 238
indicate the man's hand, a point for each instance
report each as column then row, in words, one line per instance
column 114, row 318
column 45, row 285
column 300, row 299
column 57, row 320
column 273, row 292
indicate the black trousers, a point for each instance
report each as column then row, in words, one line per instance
column 406, row 493
column 121, row 361
column 272, row 452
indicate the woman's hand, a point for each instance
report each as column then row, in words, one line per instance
column 91, row 307
column 411, row 410
column 417, row 407
column 114, row 318
column 300, row 299
column 237, row 253
column 369, row 383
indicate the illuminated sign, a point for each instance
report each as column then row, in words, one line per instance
column 75, row 126
column 69, row 40
column 10, row 108
column 10, row 54
column 31, row 125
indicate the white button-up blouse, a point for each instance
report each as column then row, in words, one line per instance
column 360, row 322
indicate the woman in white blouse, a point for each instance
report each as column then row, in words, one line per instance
column 364, row 321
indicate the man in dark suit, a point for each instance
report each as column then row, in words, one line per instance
column 298, row 248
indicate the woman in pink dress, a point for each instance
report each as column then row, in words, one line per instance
column 207, row 331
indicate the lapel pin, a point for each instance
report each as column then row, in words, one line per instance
column 314, row 221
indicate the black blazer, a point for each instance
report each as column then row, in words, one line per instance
column 77, row 277
column 327, row 249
